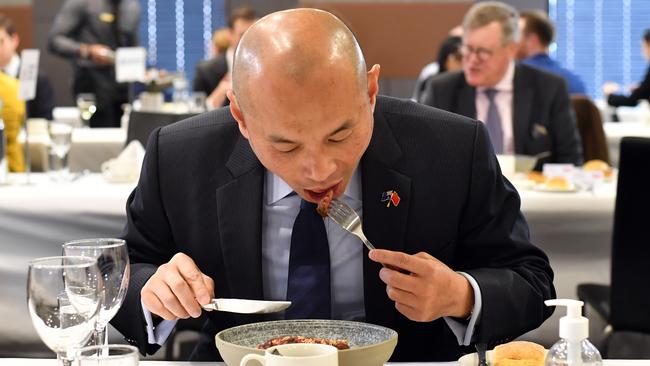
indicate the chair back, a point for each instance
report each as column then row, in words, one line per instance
column 590, row 126
column 630, row 293
column 141, row 124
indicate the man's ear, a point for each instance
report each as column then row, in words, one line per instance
column 237, row 113
column 373, row 85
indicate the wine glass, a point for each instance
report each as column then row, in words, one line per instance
column 63, row 297
column 60, row 141
column 87, row 105
column 113, row 262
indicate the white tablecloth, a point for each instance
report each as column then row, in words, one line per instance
column 573, row 228
column 43, row 362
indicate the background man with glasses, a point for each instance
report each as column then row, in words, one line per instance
column 525, row 110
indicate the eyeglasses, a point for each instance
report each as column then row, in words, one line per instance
column 483, row 54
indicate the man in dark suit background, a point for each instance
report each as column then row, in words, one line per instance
column 213, row 76
column 221, row 196
column 43, row 103
column 526, row 110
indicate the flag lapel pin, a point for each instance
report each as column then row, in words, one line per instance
column 390, row 197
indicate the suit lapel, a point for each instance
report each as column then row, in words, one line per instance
column 239, row 210
column 383, row 224
column 522, row 100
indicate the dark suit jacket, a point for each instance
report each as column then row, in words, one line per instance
column 43, row 103
column 209, row 73
column 641, row 92
column 201, row 189
column 542, row 116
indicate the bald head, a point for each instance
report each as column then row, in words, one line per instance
column 295, row 45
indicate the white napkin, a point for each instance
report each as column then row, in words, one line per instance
column 125, row 168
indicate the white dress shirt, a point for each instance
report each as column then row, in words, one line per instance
column 346, row 260
column 12, row 67
column 503, row 100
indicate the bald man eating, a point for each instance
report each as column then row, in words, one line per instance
column 225, row 207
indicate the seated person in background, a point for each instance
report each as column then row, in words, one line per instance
column 432, row 68
column 213, row 76
column 305, row 120
column 13, row 113
column 537, row 33
column 43, row 103
column 449, row 59
column 525, row 110
column 638, row 93
column 220, row 41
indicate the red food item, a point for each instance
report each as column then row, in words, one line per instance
column 338, row 343
column 324, row 204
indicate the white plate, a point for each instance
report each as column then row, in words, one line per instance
column 545, row 188
column 472, row 359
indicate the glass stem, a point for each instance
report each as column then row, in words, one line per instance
column 64, row 360
column 101, row 335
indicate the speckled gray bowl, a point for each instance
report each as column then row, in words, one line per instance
column 370, row 345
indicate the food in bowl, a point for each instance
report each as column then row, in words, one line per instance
column 338, row 343
column 519, row 353
column 370, row 344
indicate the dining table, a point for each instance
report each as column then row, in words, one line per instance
column 573, row 228
column 52, row 362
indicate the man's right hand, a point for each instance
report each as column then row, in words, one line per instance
column 101, row 54
column 177, row 289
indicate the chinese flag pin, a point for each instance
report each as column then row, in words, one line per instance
column 390, row 197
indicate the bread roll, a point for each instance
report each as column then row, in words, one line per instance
column 597, row 165
column 519, row 353
column 558, row 183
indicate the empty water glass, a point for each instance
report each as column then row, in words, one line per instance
column 113, row 262
column 63, row 301
column 60, row 142
column 87, row 105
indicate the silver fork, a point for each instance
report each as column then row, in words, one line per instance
column 349, row 220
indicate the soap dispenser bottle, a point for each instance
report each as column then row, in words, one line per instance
column 573, row 349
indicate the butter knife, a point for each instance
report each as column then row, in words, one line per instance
column 243, row 306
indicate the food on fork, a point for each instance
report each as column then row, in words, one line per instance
column 558, row 183
column 338, row 343
column 519, row 353
column 324, row 204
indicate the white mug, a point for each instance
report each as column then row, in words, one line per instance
column 298, row 354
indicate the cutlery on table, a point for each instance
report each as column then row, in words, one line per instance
column 244, row 306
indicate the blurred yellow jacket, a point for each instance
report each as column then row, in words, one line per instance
column 13, row 114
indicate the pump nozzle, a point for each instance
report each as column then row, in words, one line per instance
column 573, row 326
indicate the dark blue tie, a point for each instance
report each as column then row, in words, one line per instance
column 308, row 287
column 493, row 122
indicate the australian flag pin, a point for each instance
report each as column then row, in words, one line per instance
column 390, row 197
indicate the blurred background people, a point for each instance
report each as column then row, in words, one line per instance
column 433, row 68
column 87, row 32
column 13, row 113
column 526, row 110
column 640, row 92
column 449, row 59
column 537, row 33
column 43, row 103
column 213, row 76
column 220, row 41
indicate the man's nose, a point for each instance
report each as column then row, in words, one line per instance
column 319, row 167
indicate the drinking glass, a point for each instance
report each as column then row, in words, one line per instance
column 60, row 141
column 63, row 301
column 113, row 262
column 108, row 355
column 87, row 105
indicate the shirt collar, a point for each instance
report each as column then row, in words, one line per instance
column 12, row 67
column 277, row 188
column 505, row 84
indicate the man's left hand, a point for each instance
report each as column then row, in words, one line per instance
column 428, row 291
